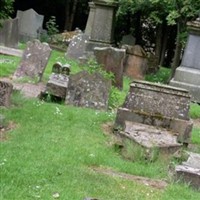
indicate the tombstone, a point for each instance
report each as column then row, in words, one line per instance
column 88, row 90
column 152, row 64
column 155, row 116
column 9, row 33
column 189, row 171
column 101, row 33
column 77, row 46
column 135, row 65
column 128, row 40
column 29, row 24
column 187, row 75
column 34, row 60
column 58, row 82
column 5, row 93
column 111, row 60
column 88, row 29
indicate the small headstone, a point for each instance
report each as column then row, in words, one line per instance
column 111, row 60
column 152, row 63
column 34, row 60
column 9, row 33
column 88, row 90
column 29, row 31
column 128, row 40
column 77, row 46
column 5, row 93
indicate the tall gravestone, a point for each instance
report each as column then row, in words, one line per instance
column 34, row 60
column 29, row 24
column 100, row 25
column 187, row 75
column 9, row 33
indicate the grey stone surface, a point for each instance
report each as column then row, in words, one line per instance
column 77, row 46
column 90, row 19
column 111, row 60
column 189, row 171
column 11, row 51
column 29, row 23
column 88, row 90
column 158, row 99
column 5, row 93
column 9, row 33
column 34, row 60
column 128, row 40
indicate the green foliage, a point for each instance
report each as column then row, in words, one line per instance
column 52, row 27
column 194, row 111
column 6, row 8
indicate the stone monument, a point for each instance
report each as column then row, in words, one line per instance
column 100, row 25
column 187, row 75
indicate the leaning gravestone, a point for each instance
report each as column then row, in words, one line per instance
column 34, row 60
column 88, row 90
column 77, row 46
column 111, row 60
column 187, row 75
column 5, row 93
column 9, row 33
column 29, row 23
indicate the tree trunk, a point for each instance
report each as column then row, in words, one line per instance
column 67, row 14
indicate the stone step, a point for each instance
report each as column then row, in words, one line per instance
column 151, row 137
column 189, row 171
column 187, row 75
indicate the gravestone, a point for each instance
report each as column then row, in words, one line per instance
column 34, row 60
column 77, row 46
column 111, row 60
column 5, row 93
column 58, row 81
column 29, row 23
column 155, row 116
column 135, row 65
column 88, row 90
column 128, row 40
column 101, row 33
column 187, row 75
column 9, row 33
column 90, row 20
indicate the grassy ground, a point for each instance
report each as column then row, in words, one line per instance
column 53, row 148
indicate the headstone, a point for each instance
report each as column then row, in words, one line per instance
column 29, row 23
column 77, row 46
column 128, row 40
column 189, row 171
column 187, row 75
column 34, row 60
column 9, row 33
column 5, row 93
column 111, row 60
column 88, row 29
column 155, row 116
column 101, row 33
column 152, row 64
column 58, row 81
column 135, row 65
column 88, row 90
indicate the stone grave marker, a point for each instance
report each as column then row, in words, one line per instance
column 5, row 93
column 34, row 60
column 88, row 90
column 29, row 23
column 111, row 59
column 77, row 46
column 187, row 75
column 9, row 33
column 128, row 40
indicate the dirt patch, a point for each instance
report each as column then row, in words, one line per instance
column 158, row 184
column 196, row 123
column 4, row 130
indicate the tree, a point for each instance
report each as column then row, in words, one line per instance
column 6, row 8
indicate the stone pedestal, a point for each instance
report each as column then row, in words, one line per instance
column 188, row 73
column 100, row 25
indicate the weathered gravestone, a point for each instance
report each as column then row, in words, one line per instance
column 58, row 81
column 111, row 60
column 34, row 60
column 29, row 23
column 88, row 90
column 90, row 20
column 155, row 115
column 135, row 65
column 101, row 33
column 128, row 40
column 77, row 46
column 187, row 75
column 5, row 93
column 9, row 33
column 189, row 171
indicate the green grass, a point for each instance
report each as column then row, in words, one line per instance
column 195, row 111
column 54, row 147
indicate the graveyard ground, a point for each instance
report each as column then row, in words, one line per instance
column 51, row 151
